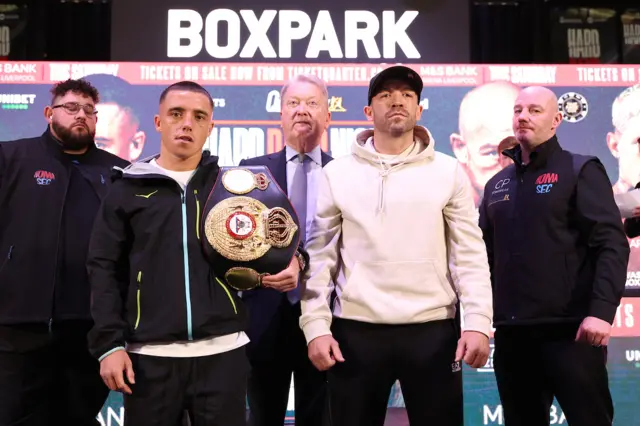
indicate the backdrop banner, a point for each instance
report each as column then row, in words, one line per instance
column 13, row 25
column 584, row 36
column 291, row 31
column 630, row 36
column 600, row 104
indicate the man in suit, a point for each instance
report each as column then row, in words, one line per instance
column 278, row 348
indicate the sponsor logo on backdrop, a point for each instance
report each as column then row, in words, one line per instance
column 633, row 356
column 573, row 106
column 19, row 72
column 273, row 102
column 16, row 101
column 335, row 104
column 317, row 33
column 493, row 415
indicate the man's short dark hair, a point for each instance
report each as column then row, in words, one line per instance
column 189, row 86
column 115, row 90
column 80, row 86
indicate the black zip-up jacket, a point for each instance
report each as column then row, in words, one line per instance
column 34, row 177
column 150, row 279
column 554, row 237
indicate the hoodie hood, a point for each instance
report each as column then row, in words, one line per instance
column 423, row 149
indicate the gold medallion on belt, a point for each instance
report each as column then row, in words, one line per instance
column 244, row 229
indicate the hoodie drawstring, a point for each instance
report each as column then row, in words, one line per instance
column 389, row 164
column 383, row 178
column 383, row 175
column 386, row 170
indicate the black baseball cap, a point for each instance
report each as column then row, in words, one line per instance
column 399, row 73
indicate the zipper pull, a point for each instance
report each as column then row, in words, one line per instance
column 10, row 253
column 50, row 324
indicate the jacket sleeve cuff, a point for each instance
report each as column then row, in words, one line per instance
column 106, row 354
column 479, row 323
column 603, row 310
column 316, row 328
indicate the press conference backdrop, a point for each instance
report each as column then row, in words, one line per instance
column 247, row 100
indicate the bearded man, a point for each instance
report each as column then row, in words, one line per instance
column 50, row 189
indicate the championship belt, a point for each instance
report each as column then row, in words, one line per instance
column 251, row 228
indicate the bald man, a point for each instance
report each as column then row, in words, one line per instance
column 623, row 141
column 558, row 258
column 623, row 144
column 484, row 120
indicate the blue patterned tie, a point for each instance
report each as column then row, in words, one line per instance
column 298, row 197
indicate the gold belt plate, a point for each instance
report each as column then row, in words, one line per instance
column 244, row 229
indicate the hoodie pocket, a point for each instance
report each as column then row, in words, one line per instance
column 397, row 292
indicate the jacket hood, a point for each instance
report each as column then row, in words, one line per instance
column 144, row 167
column 421, row 135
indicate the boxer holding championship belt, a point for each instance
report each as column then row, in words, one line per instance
column 251, row 228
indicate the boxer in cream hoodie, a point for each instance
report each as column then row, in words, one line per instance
column 397, row 231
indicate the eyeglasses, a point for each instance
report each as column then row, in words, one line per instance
column 74, row 108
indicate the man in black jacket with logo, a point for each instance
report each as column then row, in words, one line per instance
column 50, row 190
column 558, row 257
column 162, row 317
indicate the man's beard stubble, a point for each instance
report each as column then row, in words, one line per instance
column 398, row 129
column 70, row 140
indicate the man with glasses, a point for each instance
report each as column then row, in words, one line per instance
column 50, row 189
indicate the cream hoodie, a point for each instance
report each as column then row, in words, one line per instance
column 400, row 239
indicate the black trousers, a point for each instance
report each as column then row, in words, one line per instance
column 211, row 389
column 420, row 356
column 280, row 352
column 534, row 364
column 49, row 377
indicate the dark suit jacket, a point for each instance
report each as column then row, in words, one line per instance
column 264, row 302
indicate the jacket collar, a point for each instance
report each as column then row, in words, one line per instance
column 54, row 146
column 143, row 168
column 538, row 157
